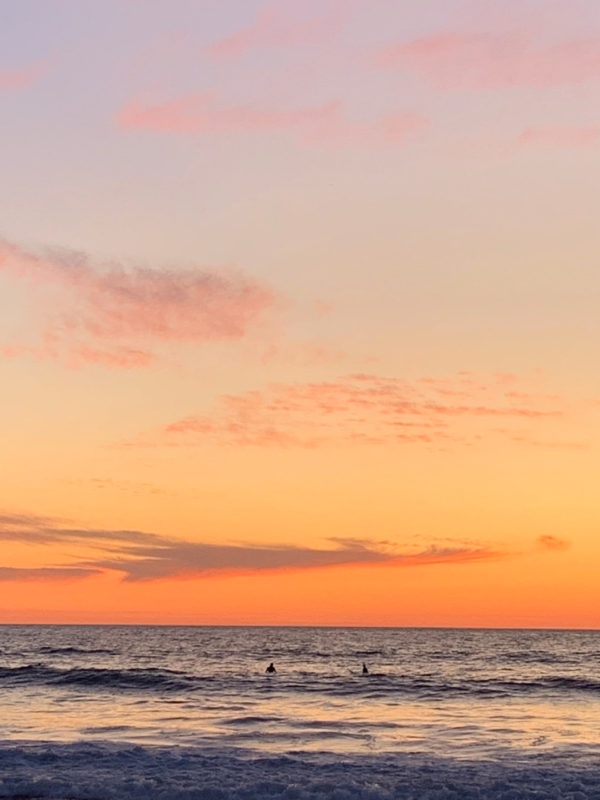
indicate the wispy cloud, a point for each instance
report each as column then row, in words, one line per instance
column 23, row 77
column 494, row 60
column 548, row 542
column 275, row 27
column 194, row 558
column 32, row 529
column 364, row 409
column 45, row 573
column 141, row 488
column 205, row 113
column 147, row 556
column 554, row 444
column 559, row 137
column 117, row 315
column 27, row 523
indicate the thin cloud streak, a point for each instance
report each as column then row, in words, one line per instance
column 549, row 542
column 40, row 532
column 455, row 60
column 552, row 444
column 45, row 573
column 272, row 28
column 202, row 113
column 22, row 78
column 141, row 556
column 559, row 137
column 118, row 316
column 24, row 521
column 325, row 124
column 198, row 559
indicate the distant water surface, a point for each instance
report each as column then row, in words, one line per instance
column 186, row 713
column 447, row 692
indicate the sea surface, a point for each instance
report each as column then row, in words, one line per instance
column 103, row 712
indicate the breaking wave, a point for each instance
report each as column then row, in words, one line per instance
column 100, row 771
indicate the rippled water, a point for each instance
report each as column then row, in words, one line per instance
column 459, row 693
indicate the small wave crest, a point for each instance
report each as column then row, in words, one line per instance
column 97, row 678
column 75, row 651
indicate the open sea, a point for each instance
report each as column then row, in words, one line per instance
column 188, row 713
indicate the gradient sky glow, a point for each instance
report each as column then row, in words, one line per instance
column 299, row 312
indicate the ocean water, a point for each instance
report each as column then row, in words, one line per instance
column 103, row 712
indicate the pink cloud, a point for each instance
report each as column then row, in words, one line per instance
column 121, row 357
column 490, row 60
column 367, row 409
column 549, row 542
column 559, row 137
column 272, row 28
column 117, row 316
column 21, row 78
column 201, row 113
column 324, row 124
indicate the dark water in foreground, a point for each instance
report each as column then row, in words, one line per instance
column 443, row 700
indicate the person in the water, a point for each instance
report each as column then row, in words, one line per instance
column 365, row 671
column 271, row 668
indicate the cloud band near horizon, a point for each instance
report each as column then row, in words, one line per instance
column 141, row 556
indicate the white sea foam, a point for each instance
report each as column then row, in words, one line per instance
column 103, row 771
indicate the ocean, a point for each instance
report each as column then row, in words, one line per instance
column 186, row 713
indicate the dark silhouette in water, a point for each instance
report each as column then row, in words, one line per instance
column 365, row 671
column 271, row 668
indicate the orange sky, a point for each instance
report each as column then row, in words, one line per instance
column 298, row 314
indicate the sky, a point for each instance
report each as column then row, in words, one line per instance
column 298, row 312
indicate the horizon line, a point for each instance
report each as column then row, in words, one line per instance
column 330, row 627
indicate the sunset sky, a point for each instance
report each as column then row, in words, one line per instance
column 299, row 312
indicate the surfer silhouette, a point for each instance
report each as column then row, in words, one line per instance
column 271, row 668
column 365, row 671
